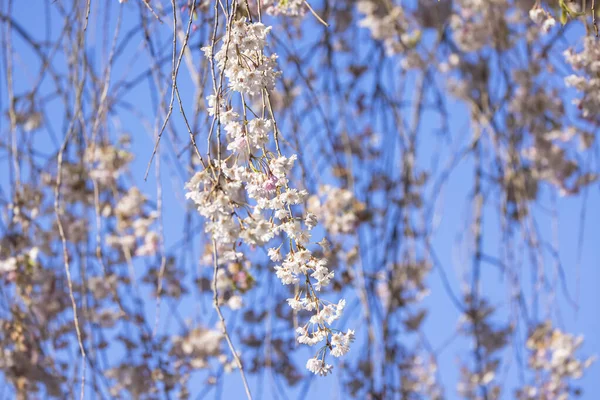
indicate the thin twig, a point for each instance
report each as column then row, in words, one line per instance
column 313, row 12
column 222, row 319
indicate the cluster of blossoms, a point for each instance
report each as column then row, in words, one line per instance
column 290, row 8
column 247, row 197
column 198, row 346
column 242, row 59
column 587, row 79
column 25, row 205
column 136, row 380
column 479, row 23
column 419, row 377
column 554, row 360
column 10, row 266
column 336, row 208
column 547, row 156
column 490, row 340
column 406, row 285
column 26, row 113
column 107, row 163
column 134, row 225
column 531, row 102
column 389, row 25
column 542, row 18
column 535, row 110
column 234, row 281
column 341, row 214
column 21, row 364
column 551, row 162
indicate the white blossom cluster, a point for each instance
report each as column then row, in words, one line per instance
column 134, row 225
column 10, row 265
column 530, row 102
column 107, row 163
column 135, row 379
column 586, row 63
column 242, row 59
column 290, row 8
column 199, row 345
column 246, row 197
column 233, row 282
column 549, row 156
column 336, row 208
column 551, row 162
column 554, row 360
column 420, row 377
column 542, row 18
column 479, row 22
column 389, row 25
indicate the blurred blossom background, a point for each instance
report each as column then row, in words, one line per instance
column 420, row 175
